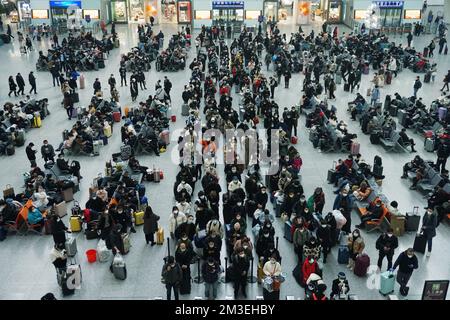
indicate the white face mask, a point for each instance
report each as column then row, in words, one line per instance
column 311, row 261
column 272, row 261
column 390, row 235
column 245, row 247
column 410, row 256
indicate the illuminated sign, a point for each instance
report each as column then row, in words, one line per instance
column 228, row 5
column 389, row 4
column 64, row 4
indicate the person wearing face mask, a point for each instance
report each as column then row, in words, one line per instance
column 235, row 184
column 182, row 186
column 201, row 200
column 374, row 211
column 317, row 201
column 105, row 225
column 300, row 238
column 95, row 204
column 210, row 273
column 59, row 230
column 356, row 247
column 211, row 250
column 172, row 275
column 269, row 252
column 214, row 227
column 241, row 220
column 406, row 262
column 300, row 205
column 150, row 225
column 58, row 257
column 309, row 266
column 289, row 202
column 386, row 244
column 344, row 203
column 243, row 244
column 184, row 206
column 241, row 264
column 429, row 223
column 176, row 218
column 272, row 269
column 262, row 197
column 263, row 242
column 120, row 217
column 340, row 287
column 184, row 256
column 233, row 173
column 324, row 234
column 186, row 229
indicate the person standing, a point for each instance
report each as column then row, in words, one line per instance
column 442, row 156
column 134, row 90
column 152, row 20
column 241, row 264
column 429, row 223
column 184, row 256
column 12, row 86
column 409, row 38
column 123, row 75
column 375, row 96
column 407, row 262
column 9, row 32
column 294, row 118
column 97, row 86
column 172, row 275
column 58, row 257
column 417, row 86
column 150, row 225
column 47, row 151
column 20, row 83
column 446, row 81
column 356, row 247
column 112, row 82
column 167, row 87
column 141, row 80
column 210, row 273
column 272, row 268
column 31, row 154
column 287, row 77
column 442, row 44
column 55, row 75
column 273, row 84
column 331, row 89
column 32, row 82
column 386, row 244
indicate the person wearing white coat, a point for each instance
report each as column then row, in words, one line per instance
column 176, row 218
column 41, row 199
column 393, row 66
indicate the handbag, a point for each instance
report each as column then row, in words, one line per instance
column 8, row 192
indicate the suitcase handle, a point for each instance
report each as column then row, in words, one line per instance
column 416, row 210
column 334, row 165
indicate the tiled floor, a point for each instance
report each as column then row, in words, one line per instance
column 26, row 269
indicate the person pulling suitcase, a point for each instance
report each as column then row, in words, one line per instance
column 407, row 262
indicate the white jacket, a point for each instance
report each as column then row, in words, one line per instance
column 41, row 199
column 185, row 186
column 272, row 269
column 234, row 185
column 175, row 222
column 186, row 208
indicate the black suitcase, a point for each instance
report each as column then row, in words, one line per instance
column 412, row 220
column 346, row 87
column 393, row 110
column 377, row 170
column 377, row 160
column 101, row 64
column 75, row 97
column 65, row 290
column 375, row 138
column 10, row 149
column 331, row 172
column 287, row 231
column 427, row 77
column 420, row 243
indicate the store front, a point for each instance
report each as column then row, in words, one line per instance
column 184, row 12
column 62, row 11
column 285, row 10
column 227, row 12
column 271, row 10
column 332, row 10
column 119, row 11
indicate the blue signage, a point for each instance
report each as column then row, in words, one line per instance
column 389, row 4
column 228, row 5
column 64, row 4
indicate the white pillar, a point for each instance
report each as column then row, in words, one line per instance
column 447, row 11
column 295, row 12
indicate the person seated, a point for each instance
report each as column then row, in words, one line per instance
column 35, row 216
column 8, row 211
column 415, row 164
column 420, row 174
column 406, row 141
column 340, row 287
column 127, row 180
column 374, row 211
column 135, row 165
column 393, row 209
column 362, row 192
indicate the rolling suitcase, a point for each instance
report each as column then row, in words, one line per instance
column 420, row 243
column 377, row 170
column 96, row 148
column 107, row 131
column 20, row 138
column 343, row 254
column 125, row 152
column 429, row 145
column 362, row 263
column 402, row 117
column 165, row 136
column 126, row 243
column 160, row 236
column 156, row 176
column 71, row 247
column 427, row 77
column 355, row 148
column 37, row 122
column 75, row 223
column 10, row 150
column 61, row 209
column 75, row 97
column 338, row 79
column 331, row 172
column 388, row 78
column 64, row 281
column 412, row 220
column 185, row 110
column 68, row 194
column 116, row 116
column 119, row 268
column 103, row 252
column 82, row 81
column 139, row 218
column 369, row 92
column 287, row 231
column 425, row 52
column 387, row 283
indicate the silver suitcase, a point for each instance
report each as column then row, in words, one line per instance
column 96, row 148
column 185, row 110
column 71, row 247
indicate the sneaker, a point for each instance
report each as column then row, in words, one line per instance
column 133, row 230
column 428, row 254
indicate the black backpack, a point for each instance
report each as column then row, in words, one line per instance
column 377, row 161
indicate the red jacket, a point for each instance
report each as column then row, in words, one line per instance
column 308, row 268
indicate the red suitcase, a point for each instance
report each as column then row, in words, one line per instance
column 388, row 78
column 116, row 116
column 173, row 118
column 294, row 140
column 362, row 263
column 355, row 148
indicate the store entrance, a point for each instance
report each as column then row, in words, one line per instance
column 390, row 17
column 225, row 17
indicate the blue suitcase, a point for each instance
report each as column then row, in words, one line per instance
column 387, row 283
column 141, row 190
column 343, row 254
column 287, row 231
